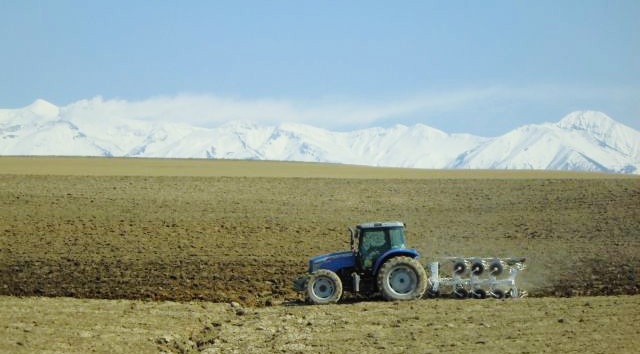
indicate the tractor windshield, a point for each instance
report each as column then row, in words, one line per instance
column 374, row 242
column 396, row 236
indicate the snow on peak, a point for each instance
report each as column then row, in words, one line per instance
column 239, row 125
column 592, row 121
column 606, row 131
column 583, row 140
column 44, row 109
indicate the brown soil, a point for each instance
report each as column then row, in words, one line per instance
column 605, row 324
column 245, row 238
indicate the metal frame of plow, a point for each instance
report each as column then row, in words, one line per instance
column 478, row 277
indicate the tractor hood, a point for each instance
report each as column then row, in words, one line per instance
column 332, row 261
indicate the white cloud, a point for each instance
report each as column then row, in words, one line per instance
column 211, row 110
column 332, row 113
column 193, row 109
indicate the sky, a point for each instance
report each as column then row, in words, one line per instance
column 480, row 67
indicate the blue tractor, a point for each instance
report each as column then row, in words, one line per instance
column 378, row 263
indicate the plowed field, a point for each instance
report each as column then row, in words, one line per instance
column 223, row 231
column 244, row 239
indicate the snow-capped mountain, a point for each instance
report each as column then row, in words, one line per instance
column 585, row 141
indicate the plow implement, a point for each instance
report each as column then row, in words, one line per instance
column 476, row 278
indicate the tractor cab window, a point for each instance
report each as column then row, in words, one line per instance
column 397, row 237
column 374, row 239
column 374, row 242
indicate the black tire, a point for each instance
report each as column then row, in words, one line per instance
column 324, row 287
column 402, row 278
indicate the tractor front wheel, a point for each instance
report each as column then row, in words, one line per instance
column 324, row 287
column 402, row 278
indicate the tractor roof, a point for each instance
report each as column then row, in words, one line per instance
column 372, row 225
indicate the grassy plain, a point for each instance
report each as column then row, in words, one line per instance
column 226, row 231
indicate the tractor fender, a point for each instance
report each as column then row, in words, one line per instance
column 407, row 252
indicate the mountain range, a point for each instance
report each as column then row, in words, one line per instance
column 582, row 141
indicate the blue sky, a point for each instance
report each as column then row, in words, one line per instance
column 482, row 67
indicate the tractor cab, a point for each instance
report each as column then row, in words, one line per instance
column 371, row 240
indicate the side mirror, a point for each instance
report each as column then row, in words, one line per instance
column 353, row 240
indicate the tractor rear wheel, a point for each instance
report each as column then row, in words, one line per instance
column 402, row 278
column 324, row 287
